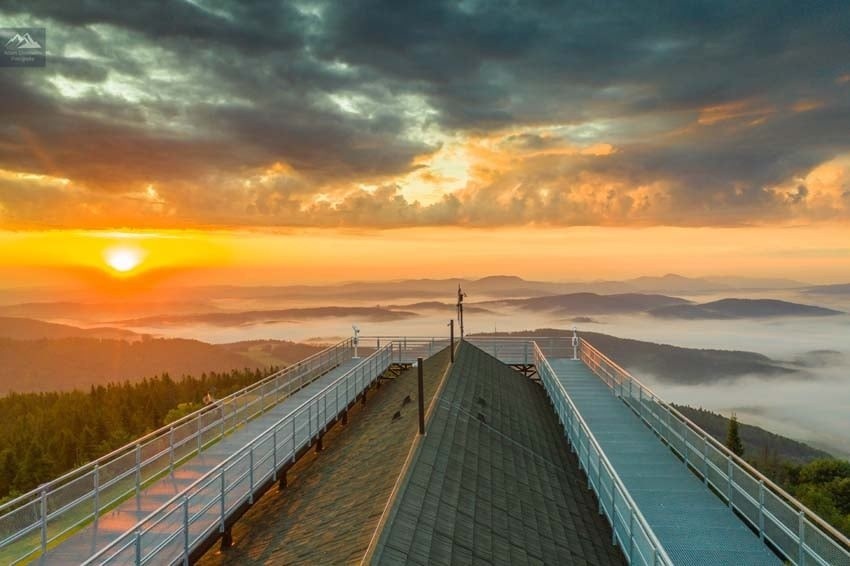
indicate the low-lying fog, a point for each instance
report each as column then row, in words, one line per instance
column 812, row 405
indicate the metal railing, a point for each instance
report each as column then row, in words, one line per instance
column 795, row 531
column 172, row 532
column 520, row 349
column 31, row 522
column 630, row 529
column 406, row 348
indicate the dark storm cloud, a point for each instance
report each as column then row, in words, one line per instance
column 708, row 106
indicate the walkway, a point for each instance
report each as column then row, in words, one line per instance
column 112, row 525
column 694, row 526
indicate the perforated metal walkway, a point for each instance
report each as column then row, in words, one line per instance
column 112, row 525
column 693, row 525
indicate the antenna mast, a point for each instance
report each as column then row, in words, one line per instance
column 460, row 296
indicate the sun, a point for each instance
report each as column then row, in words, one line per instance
column 123, row 259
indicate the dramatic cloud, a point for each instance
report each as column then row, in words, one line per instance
column 384, row 113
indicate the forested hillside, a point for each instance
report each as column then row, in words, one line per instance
column 757, row 441
column 69, row 363
column 46, row 434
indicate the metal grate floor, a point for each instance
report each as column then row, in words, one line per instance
column 695, row 527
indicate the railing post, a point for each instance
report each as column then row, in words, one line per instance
column 43, row 513
column 251, row 475
column 198, row 418
column 761, row 509
column 274, row 453
column 138, row 544
column 223, row 506
column 293, row 436
column 705, row 459
column 170, row 449
column 729, row 483
column 631, row 535
column 613, row 513
column 801, row 533
column 186, row 531
column 421, row 400
column 96, row 491
column 138, row 469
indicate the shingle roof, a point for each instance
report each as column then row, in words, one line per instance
column 333, row 503
column 495, row 481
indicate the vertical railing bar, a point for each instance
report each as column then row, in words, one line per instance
column 43, row 513
column 223, row 506
column 186, row 530
column 761, row 510
column 96, row 483
column 138, row 469
column 251, row 475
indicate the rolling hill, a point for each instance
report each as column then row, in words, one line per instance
column 757, row 441
column 592, row 303
column 673, row 364
column 740, row 308
column 31, row 329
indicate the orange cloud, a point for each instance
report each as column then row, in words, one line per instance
column 741, row 109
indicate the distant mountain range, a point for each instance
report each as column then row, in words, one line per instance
column 841, row 289
column 740, row 308
column 592, row 303
column 42, row 356
column 673, row 364
column 369, row 314
column 30, row 329
column 74, row 358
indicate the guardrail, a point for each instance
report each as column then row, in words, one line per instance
column 31, row 522
column 520, row 349
column 791, row 528
column 407, row 348
column 171, row 533
column 630, row 529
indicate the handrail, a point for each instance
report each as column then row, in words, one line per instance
column 788, row 499
column 163, row 429
column 84, row 483
column 653, row 539
column 140, row 528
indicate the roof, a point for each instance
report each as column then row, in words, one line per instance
column 495, row 480
column 331, row 507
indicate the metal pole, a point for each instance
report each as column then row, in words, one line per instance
column 186, row 531
column 43, row 512
column 575, row 344
column 138, row 468
column 421, row 397
column 452, row 340
column 96, row 491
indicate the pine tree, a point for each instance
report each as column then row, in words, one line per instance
column 733, row 438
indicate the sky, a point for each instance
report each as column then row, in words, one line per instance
column 278, row 141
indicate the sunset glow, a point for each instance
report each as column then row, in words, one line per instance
column 332, row 157
column 123, row 259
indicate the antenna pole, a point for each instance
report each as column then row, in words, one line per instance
column 460, row 296
column 452, row 340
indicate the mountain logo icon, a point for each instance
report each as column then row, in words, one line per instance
column 25, row 41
